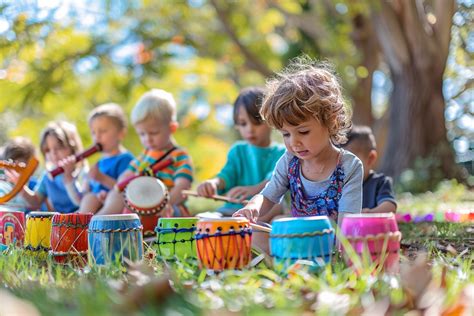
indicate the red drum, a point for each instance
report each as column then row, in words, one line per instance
column 376, row 235
column 12, row 227
column 69, row 238
column 224, row 243
column 148, row 197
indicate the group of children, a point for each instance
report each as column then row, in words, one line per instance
column 324, row 164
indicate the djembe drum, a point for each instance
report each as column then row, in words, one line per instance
column 148, row 197
column 375, row 236
column 12, row 227
column 175, row 237
column 301, row 238
column 223, row 243
column 38, row 233
column 69, row 238
column 115, row 237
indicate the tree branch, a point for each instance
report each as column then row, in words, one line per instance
column 251, row 60
column 444, row 11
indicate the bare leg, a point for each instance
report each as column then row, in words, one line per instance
column 113, row 204
column 89, row 204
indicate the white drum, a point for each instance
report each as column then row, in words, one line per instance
column 146, row 195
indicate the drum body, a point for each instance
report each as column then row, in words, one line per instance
column 12, row 227
column 376, row 235
column 38, row 233
column 115, row 237
column 69, row 238
column 223, row 243
column 301, row 238
column 148, row 197
column 175, row 237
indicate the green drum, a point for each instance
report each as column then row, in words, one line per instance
column 175, row 237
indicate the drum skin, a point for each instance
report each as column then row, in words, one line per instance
column 301, row 238
column 146, row 196
column 115, row 237
column 223, row 243
column 12, row 228
column 38, row 233
column 69, row 238
column 175, row 237
column 376, row 234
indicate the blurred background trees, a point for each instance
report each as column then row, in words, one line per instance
column 406, row 68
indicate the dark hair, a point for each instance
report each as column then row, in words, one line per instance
column 18, row 149
column 363, row 137
column 251, row 99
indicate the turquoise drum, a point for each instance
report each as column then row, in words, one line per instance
column 301, row 238
column 115, row 237
column 175, row 237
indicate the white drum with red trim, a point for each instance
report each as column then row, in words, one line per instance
column 146, row 195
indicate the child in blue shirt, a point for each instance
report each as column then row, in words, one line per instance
column 249, row 162
column 59, row 143
column 108, row 126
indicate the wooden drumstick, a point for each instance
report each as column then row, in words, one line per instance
column 155, row 168
column 261, row 228
column 214, row 197
column 81, row 156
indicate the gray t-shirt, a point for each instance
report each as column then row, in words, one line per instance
column 351, row 197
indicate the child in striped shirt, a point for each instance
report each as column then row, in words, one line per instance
column 154, row 119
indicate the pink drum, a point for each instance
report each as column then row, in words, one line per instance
column 12, row 227
column 375, row 234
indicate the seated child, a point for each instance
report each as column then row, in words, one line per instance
column 59, row 143
column 378, row 195
column 154, row 119
column 250, row 163
column 306, row 105
column 18, row 149
column 108, row 126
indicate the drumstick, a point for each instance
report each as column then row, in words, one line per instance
column 81, row 156
column 214, row 197
column 154, row 168
column 261, row 228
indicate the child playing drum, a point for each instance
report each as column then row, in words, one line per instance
column 108, row 126
column 250, row 163
column 154, row 119
column 305, row 104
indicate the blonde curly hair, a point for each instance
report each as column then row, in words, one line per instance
column 303, row 90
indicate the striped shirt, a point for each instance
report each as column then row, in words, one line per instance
column 181, row 166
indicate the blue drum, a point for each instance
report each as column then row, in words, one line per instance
column 115, row 237
column 301, row 238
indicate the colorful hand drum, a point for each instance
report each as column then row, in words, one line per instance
column 38, row 233
column 115, row 237
column 175, row 237
column 12, row 227
column 148, row 197
column 301, row 238
column 374, row 234
column 69, row 238
column 223, row 243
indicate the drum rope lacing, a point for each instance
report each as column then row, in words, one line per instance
column 174, row 230
column 326, row 255
column 118, row 230
column 397, row 236
column 312, row 234
column 69, row 225
column 242, row 233
column 62, row 253
column 37, row 249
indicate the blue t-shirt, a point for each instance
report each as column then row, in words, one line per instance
column 55, row 191
column 248, row 165
column 112, row 166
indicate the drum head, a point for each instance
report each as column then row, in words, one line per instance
column 145, row 192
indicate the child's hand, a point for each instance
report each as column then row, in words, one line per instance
column 207, row 189
column 249, row 212
column 241, row 193
column 12, row 175
column 95, row 174
column 101, row 196
column 68, row 164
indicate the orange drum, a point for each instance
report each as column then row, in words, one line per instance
column 223, row 243
column 147, row 197
column 69, row 238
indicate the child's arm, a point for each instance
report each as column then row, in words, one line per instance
column 258, row 204
column 72, row 183
column 34, row 199
column 210, row 187
column 240, row 193
column 384, row 207
column 102, row 178
column 176, row 195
